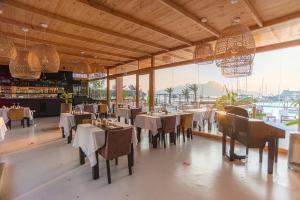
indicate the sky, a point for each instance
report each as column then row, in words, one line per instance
column 273, row 71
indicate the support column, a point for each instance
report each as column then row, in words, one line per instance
column 152, row 86
column 107, row 89
column 119, row 90
column 137, row 93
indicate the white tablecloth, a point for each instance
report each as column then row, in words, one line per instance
column 3, row 129
column 199, row 114
column 89, row 138
column 66, row 121
column 124, row 112
column 153, row 122
column 4, row 113
column 81, row 107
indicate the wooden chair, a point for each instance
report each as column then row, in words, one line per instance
column 207, row 118
column 168, row 126
column 103, row 110
column 65, row 108
column 87, row 121
column 186, row 123
column 88, row 108
column 118, row 143
column 134, row 113
column 16, row 114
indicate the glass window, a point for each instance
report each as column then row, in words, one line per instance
column 97, row 89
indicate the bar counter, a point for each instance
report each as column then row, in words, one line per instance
column 44, row 107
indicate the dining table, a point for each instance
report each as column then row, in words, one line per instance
column 124, row 112
column 67, row 122
column 28, row 114
column 152, row 123
column 199, row 115
column 3, row 129
column 89, row 138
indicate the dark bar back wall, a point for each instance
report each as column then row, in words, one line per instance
column 43, row 106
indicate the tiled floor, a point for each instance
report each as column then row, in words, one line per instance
column 194, row 170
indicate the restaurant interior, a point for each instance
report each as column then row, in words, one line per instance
column 104, row 99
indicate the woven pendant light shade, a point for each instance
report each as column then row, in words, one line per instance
column 19, row 67
column 44, row 57
column 241, row 71
column 82, row 67
column 7, row 48
column 235, row 51
column 204, row 52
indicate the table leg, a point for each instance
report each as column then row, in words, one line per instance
column 138, row 132
column 62, row 133
column 132, row 155
column 209, row 125
column 28, row 122
column 81, row 156
column 119, row 119
column 126, row 121
column 276, row 149
column 231, row 151
column 70, row 137
column 154, row 140
column 96, row 168
column 224, row 144
column 271, row 154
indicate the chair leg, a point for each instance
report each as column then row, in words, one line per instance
column 191, row 133
column 22, row 123
column 261, row 154
column 9, row 124
column 164, row 139
column 108, row 172
column 116, row 161
column 183, row 134
column 129, row 158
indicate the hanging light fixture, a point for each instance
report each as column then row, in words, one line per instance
column 82, row 67
column 44, row 57
column 203, row 51
column 235, row 50
column 19, row 67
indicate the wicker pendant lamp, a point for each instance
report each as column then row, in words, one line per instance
column 235, row 51
column 19, row 67
column 204, row 51
column 7, row 47
column 44, row 57
column 82, row 67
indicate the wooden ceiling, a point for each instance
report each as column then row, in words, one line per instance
column 116, row 32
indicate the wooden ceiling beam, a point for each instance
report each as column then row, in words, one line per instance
column 253, row 12
column 141, row 23
column 67, row 35
column 13, row 35
column 64, row 19
column 267, row 24
column 179, row 9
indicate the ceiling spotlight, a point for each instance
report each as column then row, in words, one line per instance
column 236, row 20
column 44, row 25
column 24, row 29
column 203, row 19
column 82, row 52
column 233, row 1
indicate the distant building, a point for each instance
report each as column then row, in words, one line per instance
column 288, row 94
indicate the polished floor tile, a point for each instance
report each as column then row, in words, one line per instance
column 191, row 170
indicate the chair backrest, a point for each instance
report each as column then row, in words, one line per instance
column 16, row 114
column 187, row 120
column 79, row 118
column 168, row 124
column 88, row 108
column 87, row 121
column 65, row 108
column 118, row 143
column 135, row 112
column 237, row 111
column 102, row 108
column 207, row 114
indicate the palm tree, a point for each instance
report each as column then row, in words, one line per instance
column 194, row 87
column 186, row 93
column 169, row 91
column 297, row 103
